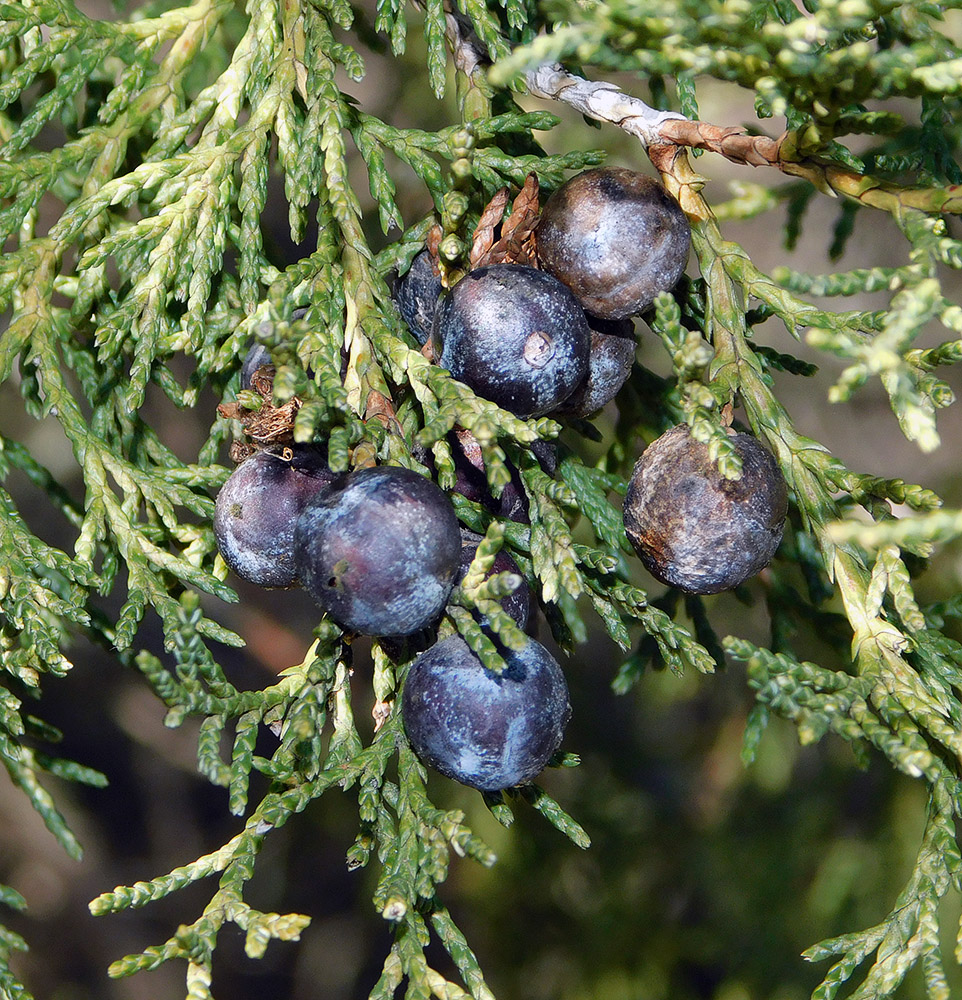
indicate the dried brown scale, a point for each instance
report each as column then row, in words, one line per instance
column 433, row 241
column 379, row 407
column 510, row 241
column 483, row 237
column 524, row 208
column 517, row 244
column 696, row 530
column 240, row 451
column 269, row 424
column 732, row 142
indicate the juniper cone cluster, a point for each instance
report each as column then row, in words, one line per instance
column 439, row 433
column 616, row 239
column 379, row 549
column 556, row 340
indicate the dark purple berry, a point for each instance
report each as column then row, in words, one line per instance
column 696, row 530
column 485, row 730
column 518, row 603
column 378, row 550
column 515, row 335
column 616, row 238
column 546, row 452
column 609, row 365
column 416, row 293
column 471, row 481
column 257, row 509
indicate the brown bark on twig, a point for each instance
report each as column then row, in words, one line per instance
column 733, row 143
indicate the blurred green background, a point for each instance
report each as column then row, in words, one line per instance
column 705, row 879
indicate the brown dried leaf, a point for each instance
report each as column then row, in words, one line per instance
column 434, row 240
column 268, row 424
column 525, row 209
column 381, row 713
column 272, row 424
column 517, row 242
column 379, row 407
column 486, row 227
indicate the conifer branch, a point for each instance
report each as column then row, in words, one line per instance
column 604, row 101
column 163, row 183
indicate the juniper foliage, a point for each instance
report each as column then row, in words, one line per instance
column 134, row 167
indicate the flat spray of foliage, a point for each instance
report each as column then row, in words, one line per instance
column 134, row 169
